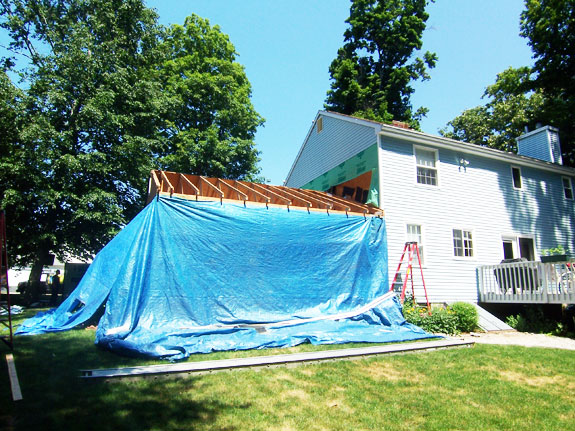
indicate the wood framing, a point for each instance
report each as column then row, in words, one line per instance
column 203, row 188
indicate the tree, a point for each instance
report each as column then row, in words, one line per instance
column 108, row 94
column 550, row 27
column 503, row 118
column 89, row 119
column 211, row 120
column 544, row 93
column 373, row 70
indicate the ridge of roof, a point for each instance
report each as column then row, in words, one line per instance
column 448, row 143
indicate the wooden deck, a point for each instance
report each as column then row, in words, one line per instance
column 527, row 283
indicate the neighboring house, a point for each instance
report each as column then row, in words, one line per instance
column 465, row 205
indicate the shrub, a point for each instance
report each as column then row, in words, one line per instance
column 439, row 320
column 467, row 317
column 533, row 319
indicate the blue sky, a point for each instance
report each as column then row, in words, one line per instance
column 286, row 48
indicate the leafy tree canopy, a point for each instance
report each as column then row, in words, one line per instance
column 211, row 121
column 544, row 93
column 105, row 95
column 373, row 71
column 503, row 118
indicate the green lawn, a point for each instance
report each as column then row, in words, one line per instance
column 479, row 388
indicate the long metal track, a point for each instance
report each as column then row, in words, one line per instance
column 202, row 367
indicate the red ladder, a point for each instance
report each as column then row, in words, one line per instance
column 410, row 248
column 5, row 319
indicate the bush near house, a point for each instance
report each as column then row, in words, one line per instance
column 449, row 319
column 467, row 317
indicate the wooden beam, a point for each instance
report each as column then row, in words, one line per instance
column 246, row 185
column 205, row 180
column 266, row 189
column 221, row 181
column 14, row 383
column 319, row 202
column 344, row 202
column 165, row 177
column 196, row 190
column 200, row 367
column 279, row 189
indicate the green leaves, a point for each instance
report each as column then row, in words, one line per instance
column 373, row 71
column 212, row 122
column 108, row 95
column 526, row 96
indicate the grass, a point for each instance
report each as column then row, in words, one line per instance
column 485, row 387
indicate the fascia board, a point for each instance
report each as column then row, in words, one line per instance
column 490, row 153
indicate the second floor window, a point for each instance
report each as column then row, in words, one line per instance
column 426, row 162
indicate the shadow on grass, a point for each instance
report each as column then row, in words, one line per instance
column 55, row 398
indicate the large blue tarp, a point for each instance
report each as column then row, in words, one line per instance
column 186, row 277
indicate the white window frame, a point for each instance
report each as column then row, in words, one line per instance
column 417, row 166
column 513, row 168
column 514, row 240
column 570, row 188
column 463, row 240
column 420, row 243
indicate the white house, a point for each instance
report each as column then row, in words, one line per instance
column 465, row 205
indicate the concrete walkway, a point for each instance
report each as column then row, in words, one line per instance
column 519, row 339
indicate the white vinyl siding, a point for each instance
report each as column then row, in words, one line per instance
column 462, row 243
column 338, row 141
column 426, row 164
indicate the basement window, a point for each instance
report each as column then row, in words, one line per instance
column 567, row 188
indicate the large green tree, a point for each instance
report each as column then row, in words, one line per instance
column 523, row 97
column 106, row 94
column 373, row 72
column 503, row 118
column 89, row 117
column 211, row 120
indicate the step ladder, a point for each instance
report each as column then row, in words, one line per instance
column 410, row 249
column 6, row 316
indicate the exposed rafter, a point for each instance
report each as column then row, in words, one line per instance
column 202, row 188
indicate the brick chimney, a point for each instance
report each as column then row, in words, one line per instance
column 542, row 143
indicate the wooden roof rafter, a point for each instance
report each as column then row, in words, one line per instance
column 206, row 188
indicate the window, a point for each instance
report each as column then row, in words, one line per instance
column 518, row 246
column 462, row 243
column 516, row 174
column 319, row 124
column 426, row 162
column 567, row 188
column 414, row 235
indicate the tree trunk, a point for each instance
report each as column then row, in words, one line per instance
column 38, row 265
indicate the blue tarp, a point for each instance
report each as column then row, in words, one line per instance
column 186, row 277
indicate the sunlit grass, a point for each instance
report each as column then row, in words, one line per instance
column 480, row 388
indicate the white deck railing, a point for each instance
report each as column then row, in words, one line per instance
column 527, row 283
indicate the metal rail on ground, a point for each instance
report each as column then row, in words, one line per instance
column 203, row 367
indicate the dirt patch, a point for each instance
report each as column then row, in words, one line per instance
column 520, row 339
